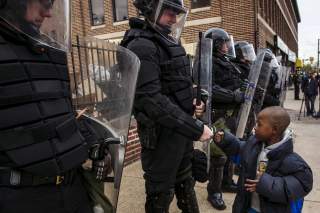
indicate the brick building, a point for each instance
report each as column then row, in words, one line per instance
column 265, row 23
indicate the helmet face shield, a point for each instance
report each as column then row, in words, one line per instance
column 230, row 45
column 248, row 52
column 45, row 21
column 170, row 18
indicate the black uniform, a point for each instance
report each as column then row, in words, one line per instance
column 272, row 97
column 296, row 82
column 163, row 109
column 245, row 70
column 226, row 80
column 41, row 147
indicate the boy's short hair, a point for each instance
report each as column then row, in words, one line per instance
column 278, row 117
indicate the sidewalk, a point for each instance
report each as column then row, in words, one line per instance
column 307, row 137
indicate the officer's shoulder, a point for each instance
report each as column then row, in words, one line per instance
column 143, row 46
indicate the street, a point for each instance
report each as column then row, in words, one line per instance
column 307, row 134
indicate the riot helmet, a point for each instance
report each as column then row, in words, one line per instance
column 45, row 21
column 222, row 42
column 166, row 16
column 244, row 52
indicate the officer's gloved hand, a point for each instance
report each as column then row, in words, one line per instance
column 206, row 135
column 258, row 94
column 101, row 162
column 238, row 96
column 244, row 85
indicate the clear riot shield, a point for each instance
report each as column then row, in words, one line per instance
column 103, row 82
column 245, row 108
column 264, row 79
column 284, row 83
column 202, row 76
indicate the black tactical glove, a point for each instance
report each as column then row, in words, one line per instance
column 258, row 95
column 244, row 85
column 238, row 96
column 199, row 166
column 101, row 162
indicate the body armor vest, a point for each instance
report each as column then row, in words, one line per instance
column 175, row 67
column 226, row 74
column 38, row 130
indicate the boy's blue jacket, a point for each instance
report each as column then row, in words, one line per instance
column 288, row 177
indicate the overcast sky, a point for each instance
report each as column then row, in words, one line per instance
column 309, row 28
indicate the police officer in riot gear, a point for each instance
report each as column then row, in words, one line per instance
column 245, row 55
column 164, row 106
column 41, row 144
column 227, row 97
column 272, row 97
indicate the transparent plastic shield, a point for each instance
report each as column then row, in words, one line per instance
column 104, row 83
column 170, row 19
column 45, row 21
column 262, row 84
column 284, row 83
column 245, row 108
column 248, row 52
column 202, row 75
column 231, row 50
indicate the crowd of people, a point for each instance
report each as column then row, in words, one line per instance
column 309, row 85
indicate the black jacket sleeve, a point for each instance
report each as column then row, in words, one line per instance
column 295, row 184
column 231, row 145
column 149, row 98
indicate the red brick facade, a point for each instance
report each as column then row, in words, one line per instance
column 258, row 21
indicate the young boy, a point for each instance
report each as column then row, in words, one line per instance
column 272, row 177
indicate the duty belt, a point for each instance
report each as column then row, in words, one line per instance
column 16, row 178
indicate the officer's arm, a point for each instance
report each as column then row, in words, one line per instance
column 222, row 95
column 270, row 100
column 152, row 102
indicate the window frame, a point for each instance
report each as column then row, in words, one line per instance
column 114, row 12
column 194, row 8
column 91, row 14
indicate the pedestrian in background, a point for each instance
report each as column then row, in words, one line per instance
column 310, row 89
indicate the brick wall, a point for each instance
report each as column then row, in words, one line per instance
column 133, row 148
column 236, row 16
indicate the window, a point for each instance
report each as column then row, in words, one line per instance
column 97, row 12
column 120, row 10
column 200, row 3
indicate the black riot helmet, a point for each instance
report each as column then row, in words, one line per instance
column 44, row 21
column 221, row 37
column 244, row 52
column 154, row 10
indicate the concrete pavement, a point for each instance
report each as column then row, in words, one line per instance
column 307, row 142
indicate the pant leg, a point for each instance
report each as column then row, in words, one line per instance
column 161, row 166
column 184, row 186
column 216, row 174
column 312, row 102
column 296, row 91
column 307, row 103
column 228, row 172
